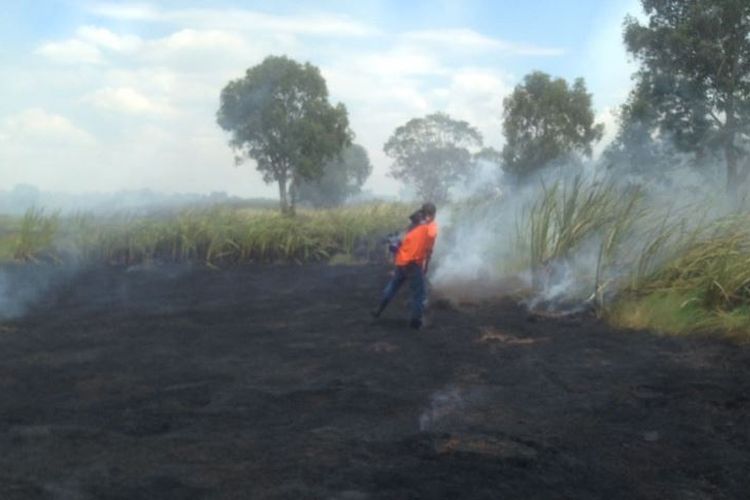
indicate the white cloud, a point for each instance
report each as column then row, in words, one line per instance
column 190, row 159
column 476, row 95
column 316, row 25
column 461, row 37
column 103, row 37
column 400, row 62
column 189, row 39
column 148, row 79
column 45, row 149
column 472, row 40
column 238, row 19
column 40, row 125
column 92, row 44
column 126, row 12
column 126, row 100
column 70, row 52
column 199, row 50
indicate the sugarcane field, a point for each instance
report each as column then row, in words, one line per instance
column 375, row 251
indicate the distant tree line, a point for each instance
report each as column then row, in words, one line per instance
column 691, row 97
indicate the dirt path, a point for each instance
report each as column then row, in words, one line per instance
column 272, row 382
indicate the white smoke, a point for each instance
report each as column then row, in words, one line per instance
column 444, row 404
column 473, row 224
column 22, row 286
column 484, row 245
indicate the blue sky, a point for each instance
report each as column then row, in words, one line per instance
column 102, row 96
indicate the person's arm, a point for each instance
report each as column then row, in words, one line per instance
column 427, row 261
column 431, row 237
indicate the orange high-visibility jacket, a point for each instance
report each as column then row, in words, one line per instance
column 417, row 245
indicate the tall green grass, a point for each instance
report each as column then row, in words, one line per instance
column 640, row 257
column 566, row 214
column 216, row 236
column 569, row 217
column 35, row 236
column 713, row 266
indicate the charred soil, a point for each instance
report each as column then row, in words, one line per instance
column 273, row 382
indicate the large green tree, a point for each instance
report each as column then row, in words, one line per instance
column 694, row 60
column 343, row 176
column 278, row 114
column 432, row 154
column 544, row 120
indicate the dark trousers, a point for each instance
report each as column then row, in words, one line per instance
column 412, row 272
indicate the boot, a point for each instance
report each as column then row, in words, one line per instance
column 375, row 313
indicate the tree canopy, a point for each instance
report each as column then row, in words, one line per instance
column 432, row 154
column 695, row 72
column 278, row 114
column 343, row 176
column 636, row 149
column 545, row 119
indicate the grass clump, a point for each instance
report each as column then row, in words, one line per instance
column 573, row 224
column 640, row 262
column 679, row 313
column 715, row 267
column 703, row 285
column 667, row 312
column 35, row 236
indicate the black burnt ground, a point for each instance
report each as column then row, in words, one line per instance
column 272, row 382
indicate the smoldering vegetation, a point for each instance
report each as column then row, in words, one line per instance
column 582, row 237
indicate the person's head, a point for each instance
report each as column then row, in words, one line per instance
column 429, row 211
column 417, row 217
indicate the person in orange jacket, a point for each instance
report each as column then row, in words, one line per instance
column 412, row 260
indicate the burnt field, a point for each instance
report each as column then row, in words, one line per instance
column 273, row 382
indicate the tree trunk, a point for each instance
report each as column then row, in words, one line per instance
column 738, row 191
column 732, row 174
column 293, row 197
column 283, row 201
